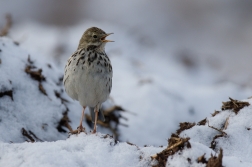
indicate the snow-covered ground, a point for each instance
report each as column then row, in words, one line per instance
column 156, row 91
column 148, row 82
column 82, row 150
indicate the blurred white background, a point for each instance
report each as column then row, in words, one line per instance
column 210, row 33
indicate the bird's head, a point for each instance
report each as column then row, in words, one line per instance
column 94, row 37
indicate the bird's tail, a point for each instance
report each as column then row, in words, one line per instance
column 100, row 114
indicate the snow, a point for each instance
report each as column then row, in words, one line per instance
column 197, row 151
column 236, row 144
column 156, row 91
column 81, row 150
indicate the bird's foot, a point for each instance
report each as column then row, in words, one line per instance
column 78, row 130
column 81, row 129
column 94, row 132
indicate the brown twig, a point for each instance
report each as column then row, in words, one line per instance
column 226, row 123
column 5, row 30
column 219, row 130
column 214, row 161
column 175, row 144
column 180, row 141
column 234, row 105
column 26, row 134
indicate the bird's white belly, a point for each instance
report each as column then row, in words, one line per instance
column 87, row 85
column 93, row 90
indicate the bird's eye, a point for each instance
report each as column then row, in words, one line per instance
column 95, row 36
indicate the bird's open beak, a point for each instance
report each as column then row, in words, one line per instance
column 105, row 40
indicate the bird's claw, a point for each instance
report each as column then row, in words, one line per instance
column 77, row 131
column 81, row 129
column 94, row 131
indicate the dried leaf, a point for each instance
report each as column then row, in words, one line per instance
column 215, row 113
column 7, row 93
column 234, row 105
column 214, row 161
column 175, row 144
column 184, row 125
column 202, row 122
column 202, row 159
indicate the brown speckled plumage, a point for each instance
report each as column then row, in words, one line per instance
column 88, row 73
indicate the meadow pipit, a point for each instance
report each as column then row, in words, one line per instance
column 88, row 74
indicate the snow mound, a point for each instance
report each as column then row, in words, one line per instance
column 28, row 103
column 227, row 132
column 33, row 103
column 82, row 150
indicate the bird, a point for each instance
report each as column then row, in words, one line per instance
column 88, row 74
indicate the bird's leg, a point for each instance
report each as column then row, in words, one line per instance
column 80, row 128
column 96, row 117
